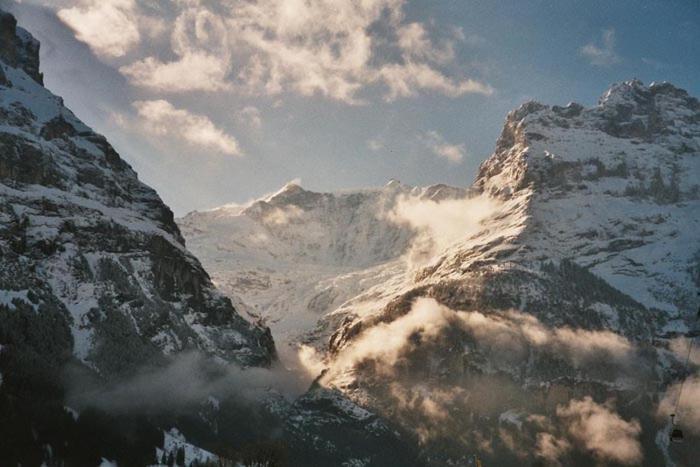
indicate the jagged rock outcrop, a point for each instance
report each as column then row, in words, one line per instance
column 18, row 48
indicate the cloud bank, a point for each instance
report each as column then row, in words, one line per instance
column 506, row 337
column 437, row 408
column 332, row 48
column 188, row 379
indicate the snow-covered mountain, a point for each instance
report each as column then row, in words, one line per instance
column 104, row 253
column 596, row 233
column 294, row 256
column 576, row 286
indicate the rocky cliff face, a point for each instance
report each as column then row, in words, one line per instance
column 99, row 249
column 18, row 48
column 95, row 280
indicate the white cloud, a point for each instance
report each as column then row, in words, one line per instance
column 603, row 54
column 406, row 79
column 107, row 26
column 600, row 430
column 310, row 361
column 414, row 39
column 505, row 337
column 250, row 116
column 333, row 48
column 656, row 64
column 432, row 406
column 375, row 145
column 385, row 342
column 193, row 72
column 551, row 448
column 160, row 117
column 510, row 339
column 280, row 216
column 437, row 144
column 688, row 414
column 441, row 223
column 199, row 41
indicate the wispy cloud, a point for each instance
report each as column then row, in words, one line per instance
column 688, row 405
column 161, row 118
column 250, row 116
column 440, row 223
column 441, row 148
column 192, row 72
column 656, row 64
column 107, row 26
column 508, row 337
column 601, row 431
column 199, row 41
column 332, row 48
column 375, row 145
column 603, row 53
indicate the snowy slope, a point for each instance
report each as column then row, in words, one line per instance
column 615, row 188
column 596, row 234
column 612, row 189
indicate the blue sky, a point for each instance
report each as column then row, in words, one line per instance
column 213, row 101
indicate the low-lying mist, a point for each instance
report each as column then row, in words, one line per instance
column 185, row 380
column 508, row 338
column 415, row 365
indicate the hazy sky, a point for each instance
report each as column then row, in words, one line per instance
column 224, row 100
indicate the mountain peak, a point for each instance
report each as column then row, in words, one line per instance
column 636, row 96
column 288, row 193
column 393, row 183
column 533, row 150
column 18, row 48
